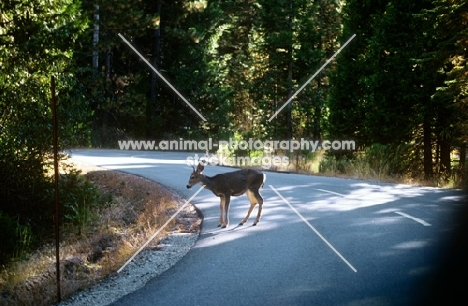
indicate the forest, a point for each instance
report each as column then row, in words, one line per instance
column 399, row 89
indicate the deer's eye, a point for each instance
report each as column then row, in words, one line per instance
column 191, row 177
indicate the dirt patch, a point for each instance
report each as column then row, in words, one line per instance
column 138, row 208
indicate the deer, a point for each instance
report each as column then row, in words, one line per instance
column 230, row 184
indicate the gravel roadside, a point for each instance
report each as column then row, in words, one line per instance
column 145, row 266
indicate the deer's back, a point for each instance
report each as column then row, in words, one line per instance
column 237, row 182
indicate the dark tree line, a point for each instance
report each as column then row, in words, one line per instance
column 404, row 81
column 236, row 61
column 400, row 84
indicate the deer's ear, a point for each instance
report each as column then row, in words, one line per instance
column 200, row 168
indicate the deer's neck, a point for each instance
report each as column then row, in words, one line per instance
column 209, row 182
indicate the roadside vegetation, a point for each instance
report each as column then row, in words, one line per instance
column 107, row 216
column 395, row 164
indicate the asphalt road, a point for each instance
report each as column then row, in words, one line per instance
column 321, row 241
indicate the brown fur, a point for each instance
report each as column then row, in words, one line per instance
column 230, row 184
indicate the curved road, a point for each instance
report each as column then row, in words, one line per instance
column 321, row 240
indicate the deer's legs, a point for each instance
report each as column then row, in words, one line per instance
column 254, row 198
column 227, row 200
column 259, row 198
column 253, row 202
column 224, row 211
column 221, row 211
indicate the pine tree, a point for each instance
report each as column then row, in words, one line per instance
column 296, row 38
column 448, row 57
column 36, row 42
column 347, row 99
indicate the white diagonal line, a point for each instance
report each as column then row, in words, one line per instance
column 313, row 228
column 328, row 191
column 160, row 229
column 163, row 78
column 311, row 78
column 413, row 218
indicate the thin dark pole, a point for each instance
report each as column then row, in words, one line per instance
column 57, row 215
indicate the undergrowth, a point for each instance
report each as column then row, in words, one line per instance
column 107, row 216
column 396, row 164
column 378, row 162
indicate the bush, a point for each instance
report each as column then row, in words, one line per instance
column 335, row 165
column 78, row 198
column 388, row 160
column 27, row 194
column 24, row 190
column 375, row 161
column 15, row 238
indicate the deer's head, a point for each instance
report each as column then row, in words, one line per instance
column 195, row 177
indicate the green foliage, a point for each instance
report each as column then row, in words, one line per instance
column 16, row 238
column 388, row 87
column 226, row 57
column 37, row 41
column 295, row 39
column 332, row 164
column 34, row 46
column 376, row 161
column 386, row 160
column 79, row 198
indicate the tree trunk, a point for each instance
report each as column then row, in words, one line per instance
column 109, row 86
column 427, row 150
column 289, row 107
column 156, row 59
column 290, row 76
column 153, row 101
column 445, row 167
column 462, row 156
column 95, row 42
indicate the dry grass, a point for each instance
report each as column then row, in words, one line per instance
column 361, row 170
column 138, row 208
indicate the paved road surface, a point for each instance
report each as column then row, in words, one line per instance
column 321, row 241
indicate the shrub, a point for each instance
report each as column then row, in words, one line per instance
column 78, row 198
column 15, row 238
column 375, row 161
